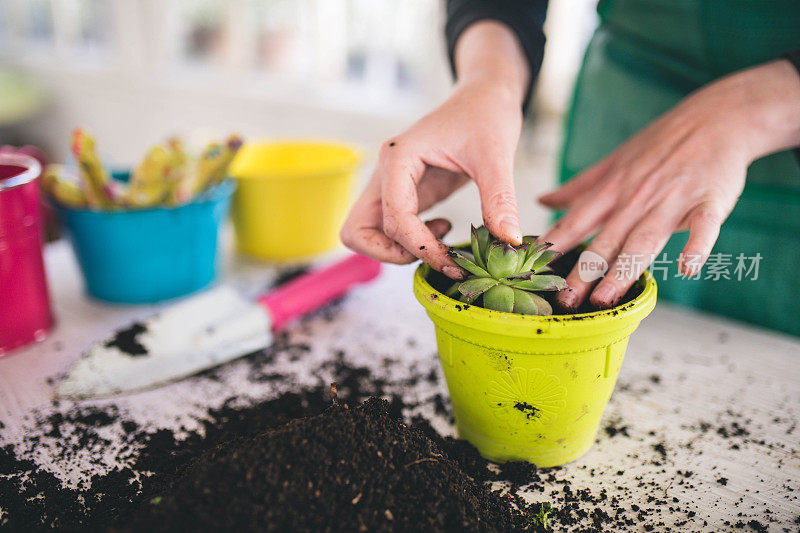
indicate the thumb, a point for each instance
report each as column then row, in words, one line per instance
column 499, row 202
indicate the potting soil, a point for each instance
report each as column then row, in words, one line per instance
column 347, row 469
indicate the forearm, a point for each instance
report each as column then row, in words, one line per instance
column 757, row 109
column 489, row 51
column 768, row 102
column 777, row 111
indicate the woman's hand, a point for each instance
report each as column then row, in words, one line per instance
column 473, row 135
column 683, row 172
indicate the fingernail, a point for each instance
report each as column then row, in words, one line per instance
column 452, row 272
column 568, row 299
column 603, row 295
column 511, row 229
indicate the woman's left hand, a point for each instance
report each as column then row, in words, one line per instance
column 685, row 171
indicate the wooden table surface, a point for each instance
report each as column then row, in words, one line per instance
column 721, row 397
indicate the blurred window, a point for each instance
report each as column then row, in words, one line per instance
column 278, row 36
column 39, row 20
column 93, row 23
column 390, row 42
column 202, row 30
column 380, row 43
column 352, row 52
column 71, row 27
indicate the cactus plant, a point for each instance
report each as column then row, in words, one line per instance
column 505, row 277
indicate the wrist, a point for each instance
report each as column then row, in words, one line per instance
column 767, row 108
column 490, row 55
column 492, row 84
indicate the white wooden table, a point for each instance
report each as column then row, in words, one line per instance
column 688, row 380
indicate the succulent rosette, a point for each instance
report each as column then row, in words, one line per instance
column 505, row 277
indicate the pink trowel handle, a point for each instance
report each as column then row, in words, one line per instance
column 314, row 289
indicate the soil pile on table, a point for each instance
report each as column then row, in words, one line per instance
column 156, row 465
column 345, row 469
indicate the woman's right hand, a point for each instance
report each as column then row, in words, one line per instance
column 472, row 135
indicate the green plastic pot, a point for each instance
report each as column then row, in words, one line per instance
column 530, row 388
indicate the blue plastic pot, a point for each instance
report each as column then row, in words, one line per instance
column 149, row 255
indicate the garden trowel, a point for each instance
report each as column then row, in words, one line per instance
column 205, row 331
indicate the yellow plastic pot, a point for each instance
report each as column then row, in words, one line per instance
column 530, row 388
column 291, row 197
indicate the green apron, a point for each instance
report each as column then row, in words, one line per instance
column 643, row 59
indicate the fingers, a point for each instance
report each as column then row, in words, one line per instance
column 438, row 184
column 370, row 231
column 630, row 241
column 594, row 261
column 373, row 243
column 498, row 200
column 604, row 248
column 439, row 227
column 567, row 194
column 704, row 225
column 581, row 221
column 362, row 232
column 399, row 172
column 644, row 242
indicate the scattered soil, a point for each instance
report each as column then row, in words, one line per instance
column 127, row 340
column 288, row 274
column 166, row 469
column 530, row 411
column 661, row 449
column 613, row 428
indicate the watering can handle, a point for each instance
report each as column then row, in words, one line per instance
column 314, row 289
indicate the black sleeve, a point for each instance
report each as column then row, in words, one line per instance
column 524, row 17
column 794, row 58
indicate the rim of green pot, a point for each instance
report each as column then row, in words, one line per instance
column 515, row 324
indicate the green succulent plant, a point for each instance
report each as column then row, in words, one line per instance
column 506, row 277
